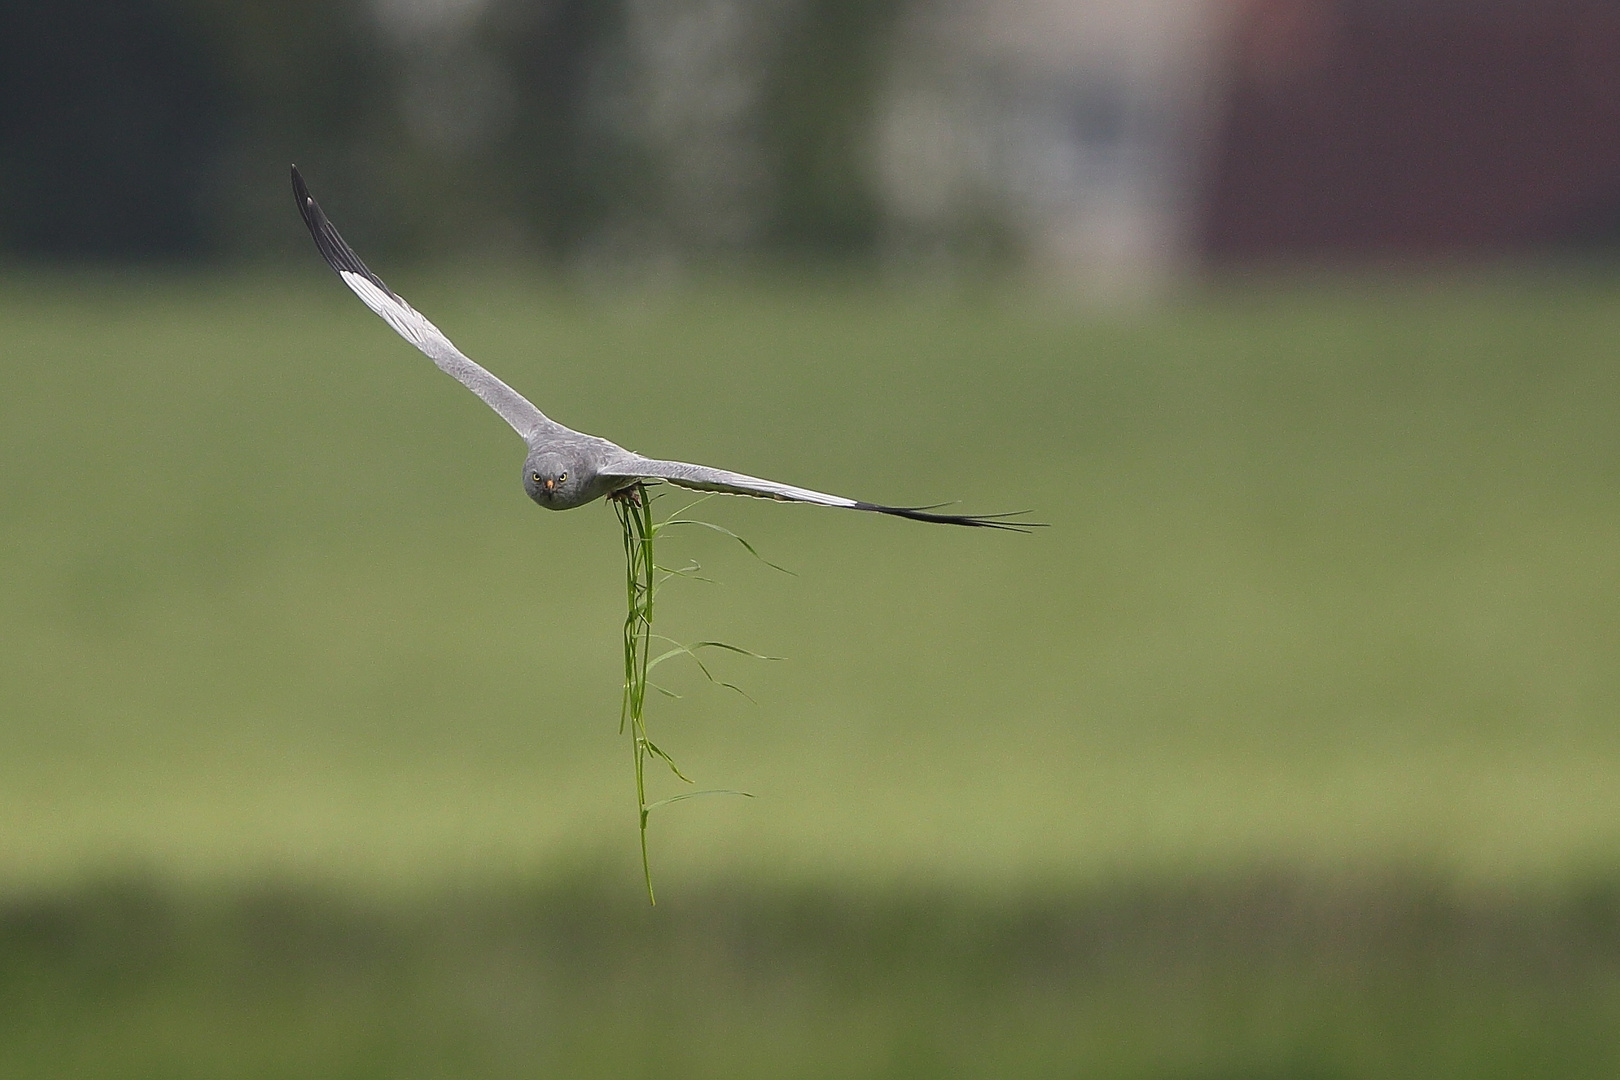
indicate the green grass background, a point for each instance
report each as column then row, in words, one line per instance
column 1328, row 609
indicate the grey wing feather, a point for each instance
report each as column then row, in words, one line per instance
column 704, row 478
column 410, row 324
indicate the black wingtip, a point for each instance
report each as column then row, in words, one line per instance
column 301, row 194
column 337, row 253
column 974, row 521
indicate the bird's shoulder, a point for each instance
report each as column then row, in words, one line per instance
column 577, row 444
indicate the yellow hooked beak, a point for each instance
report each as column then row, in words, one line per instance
column 551, row 485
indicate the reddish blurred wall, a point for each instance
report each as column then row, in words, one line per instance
column 1373, row 127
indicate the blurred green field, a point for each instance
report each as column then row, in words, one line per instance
column 1288, row 751
column 1331, row 579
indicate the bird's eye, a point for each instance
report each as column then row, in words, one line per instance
column 535, row 477
column 561, row 478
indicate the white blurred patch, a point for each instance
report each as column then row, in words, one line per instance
column 411, row 21
column 1071, row 127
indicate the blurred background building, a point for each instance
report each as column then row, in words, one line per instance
column 1449, row 126
column 1094, row 137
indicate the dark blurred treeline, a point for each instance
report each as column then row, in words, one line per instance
column 567, row 129
column 1254, row 977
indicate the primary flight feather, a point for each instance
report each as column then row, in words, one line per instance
column 565, row 468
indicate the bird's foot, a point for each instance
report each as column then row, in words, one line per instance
column 631, row 495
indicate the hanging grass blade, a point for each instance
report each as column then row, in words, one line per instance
column 691, row 651
column 634, row 511
column 655, row 751
column 642, row 573
column 726, row 532
column 696, row 795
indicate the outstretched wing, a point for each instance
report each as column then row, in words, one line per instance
column 514, row 408
column 703, row 478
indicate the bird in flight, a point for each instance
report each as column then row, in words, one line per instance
column 565, row 468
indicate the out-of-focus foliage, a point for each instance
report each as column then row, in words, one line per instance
column 1260, row 978
column 564, row 128
column 823, row 80
column 111, row 111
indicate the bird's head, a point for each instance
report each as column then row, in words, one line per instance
column 550, row 481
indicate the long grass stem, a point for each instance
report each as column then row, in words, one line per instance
column 635, row 515
column 634, row 509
